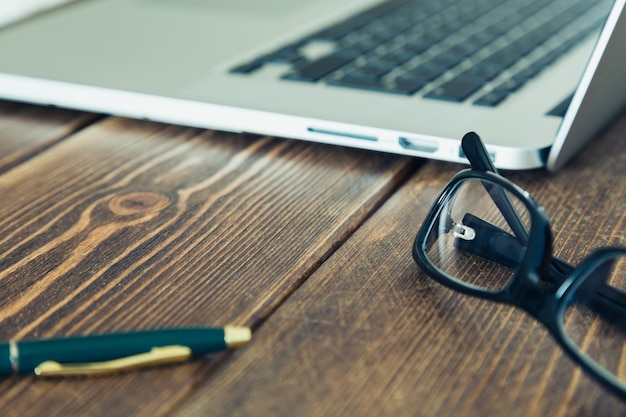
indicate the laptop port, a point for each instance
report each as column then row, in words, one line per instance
column 419, row 145
column 342, row 134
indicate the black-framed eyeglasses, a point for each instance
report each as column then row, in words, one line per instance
column 486, row 237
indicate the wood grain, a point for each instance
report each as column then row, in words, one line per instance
column 132, row 225
column 28, row 130
column 370, row 334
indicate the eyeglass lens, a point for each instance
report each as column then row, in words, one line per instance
column 596, row 319
column 472, row 241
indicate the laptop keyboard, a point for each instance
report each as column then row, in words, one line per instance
column 479, row 51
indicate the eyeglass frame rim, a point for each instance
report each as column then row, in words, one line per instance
column 540, row 236
column 566, row 291
column 555, row 302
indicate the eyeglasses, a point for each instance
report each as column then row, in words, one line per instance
column 487, row 237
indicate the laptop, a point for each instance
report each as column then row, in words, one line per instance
column 535, row 78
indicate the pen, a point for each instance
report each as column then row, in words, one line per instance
column 109, row 353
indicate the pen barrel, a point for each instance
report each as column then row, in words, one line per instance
column 6, row 365
column 99, row 348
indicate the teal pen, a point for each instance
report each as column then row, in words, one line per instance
column 109, row 353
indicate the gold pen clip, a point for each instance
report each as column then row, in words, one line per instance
column 156, row 356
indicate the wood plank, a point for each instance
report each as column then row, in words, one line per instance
column 133, row 225
column 370, row 334
column 27, row 130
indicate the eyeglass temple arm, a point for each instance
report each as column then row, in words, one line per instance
column 479, row 158
column 496, row 245
column 602, row 298
column 610, row 303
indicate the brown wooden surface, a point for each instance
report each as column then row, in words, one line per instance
column 110, row 224
column 28, row 130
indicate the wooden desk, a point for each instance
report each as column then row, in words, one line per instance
column 109, row 224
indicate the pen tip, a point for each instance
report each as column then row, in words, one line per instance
column 236, row 336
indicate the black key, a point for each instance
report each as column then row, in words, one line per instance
column 540, row 64
column 435, row 36
column 528, row 72
column 398, row 56
column 416, row 46
column 398, row 22
column 480, row 39
column 484, row 72
column 361, row 45
column 465, row 49
column 492, row 99
column 360, row 83
column 512, row 84
column 410, row 83
column 502, row 58
column 378, row 66
column 447, row 59
column 374, row 86
column 359, row 75
column 383, row 36
column 429, row 71
column 316, row 70
column 452, row 26
column 457, row 89
column 557, row 52
column 285, row 55
column 561, row 108
column 526, row 43
column 248, row 67
column 332, row 33
column 521, row 47
column 497, row 29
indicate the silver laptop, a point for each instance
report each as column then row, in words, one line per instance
column 535, row 78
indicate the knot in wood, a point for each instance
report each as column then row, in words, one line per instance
column 133, row 203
